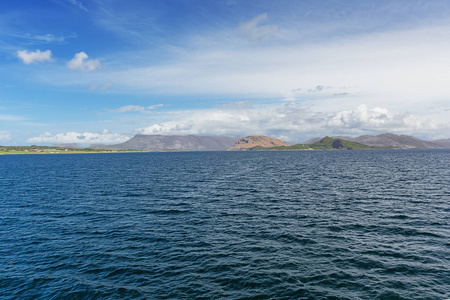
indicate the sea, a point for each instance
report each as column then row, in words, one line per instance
column 344, row 224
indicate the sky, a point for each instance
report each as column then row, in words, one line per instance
column 101, row 71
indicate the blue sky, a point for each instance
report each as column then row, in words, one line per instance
column 93, row 71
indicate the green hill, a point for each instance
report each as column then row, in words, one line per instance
column 328, row 143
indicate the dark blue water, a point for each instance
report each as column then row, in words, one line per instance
column 226, row 225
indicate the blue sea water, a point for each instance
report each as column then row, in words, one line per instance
column 226, row 225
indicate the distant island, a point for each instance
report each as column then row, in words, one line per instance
column 140, row 143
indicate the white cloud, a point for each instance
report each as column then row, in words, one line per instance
column 80, row 62
column 34, row 57
column 4, row 135
column 291, row 121
column 138, row 108
column 255, row 30
column 103, row 137
column 379, row 119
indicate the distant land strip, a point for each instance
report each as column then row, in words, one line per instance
column 146, row 143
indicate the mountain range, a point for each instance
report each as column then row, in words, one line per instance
column 220, row 143
column 389, row 140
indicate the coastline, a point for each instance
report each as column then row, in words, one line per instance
column 70, row 152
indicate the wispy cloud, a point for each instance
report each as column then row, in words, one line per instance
column 34, row 57
column 255, row 30
column 41, row 38
column 78, row 4
column 131, row 108
column 11, row 118
column 80, row 62
column 106, row 85
column 48, row 38
column 103, row 137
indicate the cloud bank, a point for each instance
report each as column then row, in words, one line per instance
column 34, row 57
column 290, row 121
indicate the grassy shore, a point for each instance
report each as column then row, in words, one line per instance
column 6, row 150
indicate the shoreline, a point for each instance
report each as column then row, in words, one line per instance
column 73, row 152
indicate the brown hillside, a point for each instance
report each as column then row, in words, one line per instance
column 258, row 140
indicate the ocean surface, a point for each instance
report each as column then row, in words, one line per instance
column 226, row 225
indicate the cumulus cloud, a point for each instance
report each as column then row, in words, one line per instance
column 103, row 137
column 255, row 30
column 34, row 57
column 378, row 118
column 4, row 135
column 290, row 121
column 80, row 62
column 138, row 108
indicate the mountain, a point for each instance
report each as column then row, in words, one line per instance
column 257, row 141
column 444, row 143
column 174, row 142
column 389, row 140
column 312, row 140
